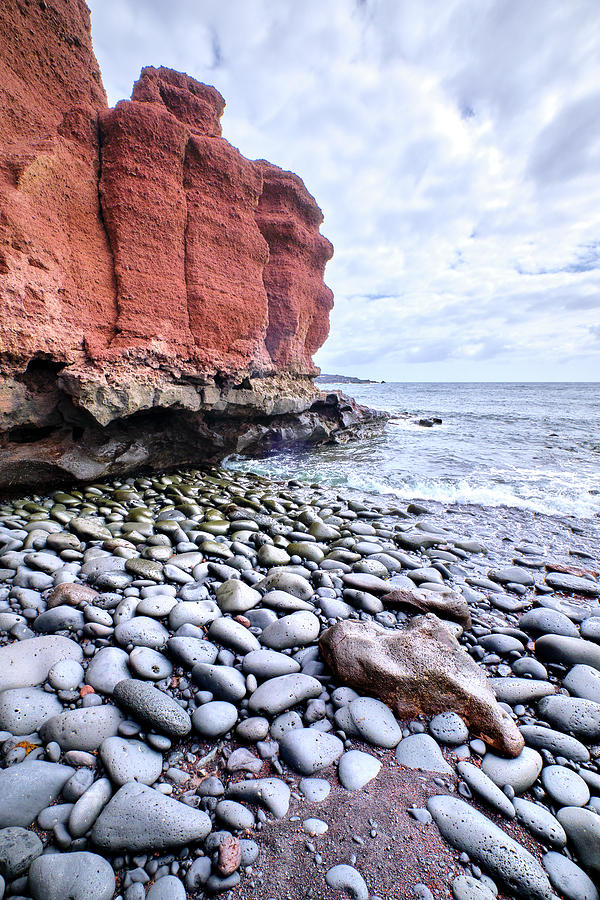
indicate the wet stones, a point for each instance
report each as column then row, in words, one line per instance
column 152, row 706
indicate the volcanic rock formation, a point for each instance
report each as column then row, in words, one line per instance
column 162, row 296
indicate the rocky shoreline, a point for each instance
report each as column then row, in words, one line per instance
column 192, row 675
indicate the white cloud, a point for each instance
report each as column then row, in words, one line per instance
column 454, row 147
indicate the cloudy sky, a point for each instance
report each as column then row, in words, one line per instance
column 453, row 145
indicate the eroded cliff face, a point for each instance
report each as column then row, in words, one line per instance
column 162, row 296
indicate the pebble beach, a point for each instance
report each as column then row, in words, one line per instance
column 172, row 724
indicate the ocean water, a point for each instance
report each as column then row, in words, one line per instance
column 529, row 446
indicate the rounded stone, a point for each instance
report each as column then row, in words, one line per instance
column 540, row 822
column 215, row 718
column 296, row 630
column 264, row 664
column 149, row 664
column 307, row 750
column 565, row 787
column 106, row 669
column 584, row 682
column 229, row 633
column 279, row 694
column 78, row 876
column 346, row 878
column 140, row 818
column 24, row 710
column 520, row 773
column 578, row 717
column 129, row 760
column 356, row 769
column 224, row 682
column 490, row 847
column 141, row 631
column 449, row 728
column 234, row 815
column 66, row 675
column 235, row 596
column 82, row 729
column 18, row 848
column 420, row 751
column 583, row 830
column 482, row 785
column 467, row 888
column 153, row 706
column 567, row 878
column 167, row 888
column 375, row 722
column 89, row 806
column 27, row 663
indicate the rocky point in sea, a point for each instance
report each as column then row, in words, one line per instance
column 208, row 687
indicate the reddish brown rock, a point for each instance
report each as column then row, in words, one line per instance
column 56, row 275
column 162, row 296
column 446, row 604
column 71, row 594
column 225, row 257
column 230, row 855
column 299, row 301
column 420, row 669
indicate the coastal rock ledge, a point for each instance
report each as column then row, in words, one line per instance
column 162, row 296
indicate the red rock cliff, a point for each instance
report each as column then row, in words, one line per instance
column 155, row 285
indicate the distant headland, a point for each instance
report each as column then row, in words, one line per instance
column 344, row 379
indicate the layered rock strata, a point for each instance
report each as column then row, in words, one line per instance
column 162, row 295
